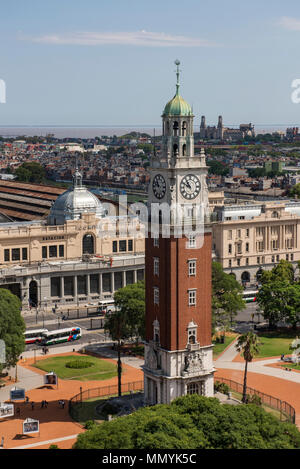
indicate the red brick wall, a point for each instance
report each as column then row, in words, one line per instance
column 173, row 312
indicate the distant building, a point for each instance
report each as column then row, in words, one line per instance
column 220, row 132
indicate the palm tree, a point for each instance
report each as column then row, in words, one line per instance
column 249, row 345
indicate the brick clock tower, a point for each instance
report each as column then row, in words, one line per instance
column 178, row 348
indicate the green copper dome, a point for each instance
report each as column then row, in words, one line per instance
column 177, row 106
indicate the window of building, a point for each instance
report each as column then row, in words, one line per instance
column 247, row 233
column 227, row 218
column 156, row 242
column 229, row 234
column 156, row 266
column 94, row 283
column 258, row 260
column 118, row 277
column 106, row 282
column 192, row 268
column 44, row 252
column 122, row 245
column 61, row 250
column 229, row 263
column 239, row 248
column 192, row 297
column 55, row 286
column 238, row 233
column 192, row 388
column 229, row 248
column 24, row 254
column 191, row 242
column 156, row 295
column 6, row 255
column 81, row 285
column 52, row 251
column 241, row 218
column 247, row 260
column 156, row 331
column 247, row 247
column 238, row 261
column 292, row 257
column 15, row 254
column 286, row 257
column 88, row 244
column 140, row 275
column 115, row 246
column 129, row 277
column 69, row 286
column 130, row 245
column 277, row 258
column 273, row 258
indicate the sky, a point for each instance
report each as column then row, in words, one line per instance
column 111, row 62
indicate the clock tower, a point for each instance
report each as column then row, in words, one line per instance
column 178, row 348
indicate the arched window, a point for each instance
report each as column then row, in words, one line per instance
column 175, row 129
column 184, row 149
column 275, row 214
column 183, row 129
column 88, row 244
column 175, row 149
column 245, row 277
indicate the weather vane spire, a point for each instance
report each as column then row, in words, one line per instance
column 177, row 63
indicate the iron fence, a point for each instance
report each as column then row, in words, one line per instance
column 286, row 411
column 103, row 392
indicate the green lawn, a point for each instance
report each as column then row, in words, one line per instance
column 291, row 365
column 274, row 344
column 218, row 348
column 100, row 369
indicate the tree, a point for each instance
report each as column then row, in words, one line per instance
column 248, row 344
column 31, row 172
column 128, row 319
column 295, row 191
column 131, row 301
column 193, row 422
column 226, row 297
column 12, row 327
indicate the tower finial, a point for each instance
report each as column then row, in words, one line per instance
column 177, row 63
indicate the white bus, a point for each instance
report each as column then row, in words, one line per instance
column 61, row 335
column 250, row 295
column 34, row 336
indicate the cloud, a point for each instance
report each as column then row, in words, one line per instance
column 136, row 38
column 292, row 24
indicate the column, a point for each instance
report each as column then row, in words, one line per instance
column 75, row 287
column 62, row 287
column 112, row 278
column 124, row 278
column 100, row 284
column 135, row 276
column 88, row 285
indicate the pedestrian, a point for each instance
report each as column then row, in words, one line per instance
column 63, row 404
column 27, row 399
column 32, row 405
column 59, row 403
column 2, row 442
column 42, row 404
column 18, row 411
column 46, row 404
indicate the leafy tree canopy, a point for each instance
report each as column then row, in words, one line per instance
column 12, row 327
column 31, row 172
column 193, row 422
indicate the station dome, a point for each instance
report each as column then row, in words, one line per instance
column 74, row 202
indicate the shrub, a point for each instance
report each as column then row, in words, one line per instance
column 254, row 399
column 221, row 387
column 89, row 424
column 53, row 447
column 78, row 364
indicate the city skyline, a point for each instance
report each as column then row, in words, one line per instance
column 113, row 64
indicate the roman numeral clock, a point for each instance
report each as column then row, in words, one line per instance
column 178, row 349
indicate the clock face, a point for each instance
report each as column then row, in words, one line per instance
column 190, row 186
column 159, row 186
